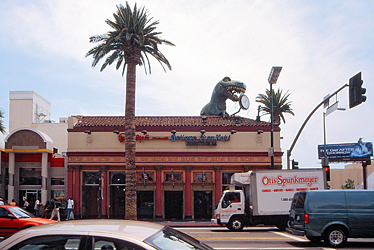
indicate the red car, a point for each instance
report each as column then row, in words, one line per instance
column 14, row 219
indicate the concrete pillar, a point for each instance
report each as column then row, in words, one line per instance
column 188, row 194
column 45, row 178
column 12, row 170
column 158, row 212
column 217, row 183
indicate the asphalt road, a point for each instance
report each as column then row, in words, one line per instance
column 262, row 238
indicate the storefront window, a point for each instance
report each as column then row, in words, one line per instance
column 202, row 177
column 30, row 176
column 226, row 179
column 149, row 176
column 57, row 181
column 91, row 178
column 59, row 195
column 118, row 178
column 173, row 177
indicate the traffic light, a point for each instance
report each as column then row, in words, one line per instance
column 295, row 164
column 356, row 92
column 327, row 170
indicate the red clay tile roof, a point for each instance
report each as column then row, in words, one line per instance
column 169, row 121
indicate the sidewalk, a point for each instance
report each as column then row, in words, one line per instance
column 185, row 223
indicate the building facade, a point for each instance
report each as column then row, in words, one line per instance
column 183, row 163
column 32, row 161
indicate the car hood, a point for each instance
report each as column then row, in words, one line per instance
column 37, row 220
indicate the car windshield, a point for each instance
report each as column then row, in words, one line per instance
column 20, row 213
column 170, row 239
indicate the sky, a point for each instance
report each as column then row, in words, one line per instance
column 320, row 44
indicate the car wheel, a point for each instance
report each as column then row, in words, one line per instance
column 235, row 224
column 336, row 237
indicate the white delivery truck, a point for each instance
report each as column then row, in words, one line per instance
column 265, row 197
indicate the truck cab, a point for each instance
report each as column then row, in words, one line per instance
column 230, row 209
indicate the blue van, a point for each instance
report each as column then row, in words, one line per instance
column 332, row 216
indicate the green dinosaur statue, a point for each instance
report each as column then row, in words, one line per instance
column 225, row 89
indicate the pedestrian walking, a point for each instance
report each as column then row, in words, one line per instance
column 47, row 210
column 36, row 207
column 70, row 215
column 13, row 203
column 1, row 201
column 56, row 210
column 26, row 204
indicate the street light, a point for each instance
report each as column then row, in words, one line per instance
column 273, row 77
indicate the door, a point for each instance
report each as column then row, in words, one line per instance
column 91, row 194
column 90, row 203
column 203, row 205
column 31, row 196
column 7, row 225
column 232, row 203
column 145, row 200
column 117, row 195
column 117, row 202
column 173, row 205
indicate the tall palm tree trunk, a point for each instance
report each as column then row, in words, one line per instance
column 130, row 145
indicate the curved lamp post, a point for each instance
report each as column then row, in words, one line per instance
column 273, row 77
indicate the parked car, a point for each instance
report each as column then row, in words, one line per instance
column 102, row 234
column 333, row 215
column 14, row 219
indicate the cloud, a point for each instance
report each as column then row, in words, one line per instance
column 319, row 44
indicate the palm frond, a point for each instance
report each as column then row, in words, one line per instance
column 134, row 34
column 2, row 128
column 281, row 105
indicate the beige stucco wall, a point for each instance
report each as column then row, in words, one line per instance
column 351, row 171
column 57, row 132
column 109, row 142
column 23, row 109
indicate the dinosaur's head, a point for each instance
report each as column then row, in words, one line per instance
column 230, row 89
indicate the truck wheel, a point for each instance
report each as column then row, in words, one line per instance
column 335, row 237
column 282, row 226
column 235, row 224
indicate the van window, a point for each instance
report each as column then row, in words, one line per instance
column 300, row 200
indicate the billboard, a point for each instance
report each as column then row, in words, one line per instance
column 358, row 151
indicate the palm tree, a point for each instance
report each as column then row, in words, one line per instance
column 2, row 128
column 281, row 105
column 130, row 42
